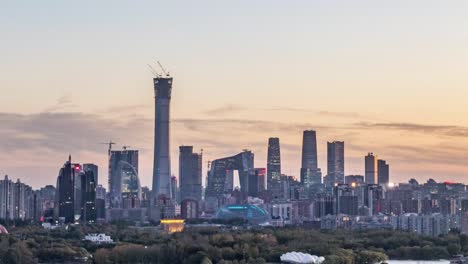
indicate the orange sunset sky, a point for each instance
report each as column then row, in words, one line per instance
column 388, row 77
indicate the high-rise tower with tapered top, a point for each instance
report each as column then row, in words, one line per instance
column 162, row 159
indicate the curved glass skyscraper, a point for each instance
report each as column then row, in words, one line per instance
column 125, row 190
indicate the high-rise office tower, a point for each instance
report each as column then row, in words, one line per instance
column 88, row 196
column 371, row 168
column 190, row 174
column 174, row 189
column 274, row 166
column 124, row 184
column 383, row 172
column 94, row 169
column 16, row 200
column 335, row 154
column 373, row 198
column 310, row 173
column 346, row 199
column 7, row 206
column 45, row 203
column 65, row 194
column 162, row 160
column 100, row 202
column 260, row 174
column 220, row 170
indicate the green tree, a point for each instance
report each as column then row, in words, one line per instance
column 453, row 249
column 370, row 257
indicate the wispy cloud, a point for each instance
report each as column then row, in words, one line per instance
column 340, row 114
column 225, row 109
column 63, row 131
column 63, row 103
column 245, row 125
column 232, row 109
column 447, row 130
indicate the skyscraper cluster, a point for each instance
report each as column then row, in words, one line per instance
column 376, row 170
column 232, row 180
column 16, row 200
column 75, row 196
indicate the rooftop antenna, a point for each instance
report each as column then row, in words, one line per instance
column 163, row 70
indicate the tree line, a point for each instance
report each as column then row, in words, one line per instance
column 33, row 244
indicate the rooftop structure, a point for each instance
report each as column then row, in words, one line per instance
column 251, row 213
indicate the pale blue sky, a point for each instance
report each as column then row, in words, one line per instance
column 341, row 67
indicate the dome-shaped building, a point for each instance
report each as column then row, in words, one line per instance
column 253, row 214
column 3, row 230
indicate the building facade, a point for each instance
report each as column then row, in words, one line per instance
column 16, row 200
column 383, row 172
column 335, row 162
column 242, row 162
column 124, row 183
column 65, row 192
column 88, row 196
column 371, row 169
column 162, row 160
column 274, row 166
column 310, row 173
column 190, row 174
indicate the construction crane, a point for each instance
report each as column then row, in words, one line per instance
column 163, row 70
column 154, row 72
column 110, row 143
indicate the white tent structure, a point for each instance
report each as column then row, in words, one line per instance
column 301, row 258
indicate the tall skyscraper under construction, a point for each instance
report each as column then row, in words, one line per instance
column 162, row 160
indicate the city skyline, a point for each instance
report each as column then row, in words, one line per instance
column 380, row 93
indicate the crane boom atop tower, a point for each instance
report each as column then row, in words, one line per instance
column 163, row 70
column 110, row 143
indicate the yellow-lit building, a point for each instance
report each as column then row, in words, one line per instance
column 173, row 225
